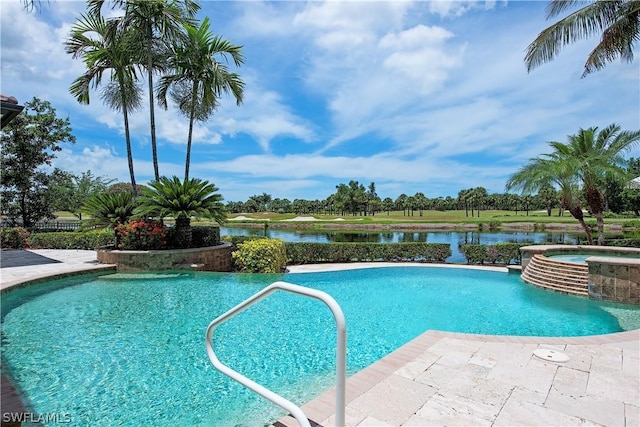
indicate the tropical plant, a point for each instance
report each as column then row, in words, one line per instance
column 548, row 196
column 421, row 202
column 552, row 169
column 106, row 46
column 110, row 209
column 618, row 22
column 181, row 200
column 200, row 77
column 142, row 235
column 157, row 23
column 595, row 156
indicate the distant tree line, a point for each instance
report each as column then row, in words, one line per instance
column 354, row 198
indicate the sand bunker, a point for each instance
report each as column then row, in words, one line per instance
column 301, row 218
column 245, row 218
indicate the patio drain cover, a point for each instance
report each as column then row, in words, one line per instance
column 551, row 355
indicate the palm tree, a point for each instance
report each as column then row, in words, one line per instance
column 462, row 198
column 200, row 78
column 402, row 203
column 479, row 195
column 596, row 156
column 548, row 170
column 106, row 47
column 182, row 200
column 547, row 195
column 421, row 202
column 618, row 21
column 157, row 23
column 387, row 205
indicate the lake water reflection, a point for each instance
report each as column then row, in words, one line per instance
column 453, row 238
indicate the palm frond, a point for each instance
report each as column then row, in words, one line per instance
column 617, row 20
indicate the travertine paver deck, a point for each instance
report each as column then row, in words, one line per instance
column 460, row 379
column 20, row 266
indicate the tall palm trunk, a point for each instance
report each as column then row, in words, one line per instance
column 152, row 111
column 152, row 120
column 576, row 212
column 127, row 138
column 192, row 115
column 595, row 200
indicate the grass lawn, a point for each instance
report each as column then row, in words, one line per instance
column 397, row 217
column 431, row 216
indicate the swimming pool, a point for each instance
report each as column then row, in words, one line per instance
column 129, row 350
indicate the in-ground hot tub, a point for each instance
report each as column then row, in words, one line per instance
column 612, row 273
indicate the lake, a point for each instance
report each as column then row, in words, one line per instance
column 453, row 238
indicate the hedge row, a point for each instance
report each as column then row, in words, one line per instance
column 627, row 243
column 72, row 239
column 500, row 253
column 305, row 252
column 19, row 238
column 14, row 238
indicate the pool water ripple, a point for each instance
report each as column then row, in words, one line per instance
column 115, row 351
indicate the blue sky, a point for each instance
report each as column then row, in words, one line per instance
column 416, row 96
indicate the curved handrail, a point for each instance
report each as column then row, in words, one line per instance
column 341, row 350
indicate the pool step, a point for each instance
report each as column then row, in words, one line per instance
column 560, row 276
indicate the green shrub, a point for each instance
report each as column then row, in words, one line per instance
column 475, row 254
column 14, row 238
column 501, row 253
column 260, row 256
column 627, row 243
column 205, row 235
column 492, row 254
column 72, row 239
column 633, row 223
column 508, row 252
column 311, row 252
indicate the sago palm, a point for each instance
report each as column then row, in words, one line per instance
column 200, row 77
column 618, row 22
column 110, row 209
column 157, row 24
column 106, row 48
column 182, row 200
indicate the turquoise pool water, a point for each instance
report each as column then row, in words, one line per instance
column 129, row 350
column 582, row 258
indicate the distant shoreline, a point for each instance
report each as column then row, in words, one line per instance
column 329, row 225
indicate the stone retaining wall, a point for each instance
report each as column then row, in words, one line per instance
column 212, row 258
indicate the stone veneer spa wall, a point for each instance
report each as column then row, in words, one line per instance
column 212, row 258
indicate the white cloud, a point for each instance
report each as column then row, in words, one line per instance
column 457, row 8
column 416, row 96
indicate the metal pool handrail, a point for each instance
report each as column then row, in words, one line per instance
column 341, row 350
